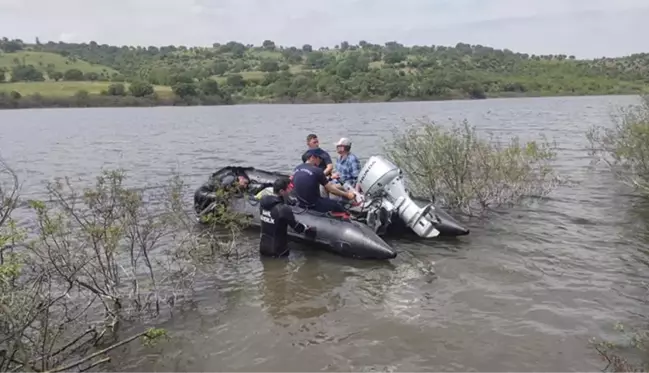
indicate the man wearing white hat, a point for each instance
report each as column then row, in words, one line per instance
column 348, row 166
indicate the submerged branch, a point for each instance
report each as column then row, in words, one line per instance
column 98, row 353
column 90, row 261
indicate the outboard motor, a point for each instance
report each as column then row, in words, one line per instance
column 380, row 178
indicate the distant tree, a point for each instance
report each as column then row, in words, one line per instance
column 269, row 65
column 238, row 66
column 139, row 88
column 317, row 60
column 185, row 89
column 55, row 75
column 210, row 87
column 184, row 77
column 307, row 48
column 2, row 76
column 26, row 73
column 237, row 49
column 81, row 94
column 220, row 68
column 73, row 75
column 269, row 45
column 116, row 89
column 394, row 57
column 11, row 46
column 235, row 80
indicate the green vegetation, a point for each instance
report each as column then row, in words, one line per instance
column 463, row 171
column 625, row 146
column 237, row 73
column 84, row 268
column 624, row 149
column 48, row 63
column 68, row 89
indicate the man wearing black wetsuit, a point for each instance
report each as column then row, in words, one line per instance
column 307, row 179
column 275, row 217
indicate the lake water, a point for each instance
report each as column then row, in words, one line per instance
column 525, row 291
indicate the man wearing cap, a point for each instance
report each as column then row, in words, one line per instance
column 348, row 167
column 307, row 179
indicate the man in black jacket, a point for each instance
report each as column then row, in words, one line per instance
column 275, row 216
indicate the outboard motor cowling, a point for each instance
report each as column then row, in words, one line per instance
column 380, row 178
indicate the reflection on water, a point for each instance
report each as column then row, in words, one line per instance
column 524, row 292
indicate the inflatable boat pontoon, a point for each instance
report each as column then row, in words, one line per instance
column 386, row 208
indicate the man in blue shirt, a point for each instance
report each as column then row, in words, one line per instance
column 348, row 167
column 313, row 143
column 307, row 179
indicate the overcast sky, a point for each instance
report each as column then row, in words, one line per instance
column 585, row 28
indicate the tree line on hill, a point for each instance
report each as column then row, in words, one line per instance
column 362, row 72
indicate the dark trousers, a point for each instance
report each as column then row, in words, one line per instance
column 326, row 205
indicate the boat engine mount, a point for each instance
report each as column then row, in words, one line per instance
column 380, row 179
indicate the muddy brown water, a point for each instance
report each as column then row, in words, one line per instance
column 525, row 291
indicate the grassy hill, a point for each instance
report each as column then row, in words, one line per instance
column 44, row 60
column 363, row 72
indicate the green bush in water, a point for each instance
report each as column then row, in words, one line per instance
column 625, row 146
column 466, row 172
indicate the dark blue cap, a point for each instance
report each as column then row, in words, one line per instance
column 317, row 152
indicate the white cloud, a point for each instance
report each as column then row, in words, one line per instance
column 67, row 37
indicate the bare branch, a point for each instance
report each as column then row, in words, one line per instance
column 98, row 353
column 88, row 265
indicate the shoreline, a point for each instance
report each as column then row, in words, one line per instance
column 100, row 101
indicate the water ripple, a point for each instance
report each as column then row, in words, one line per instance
column 523, row 292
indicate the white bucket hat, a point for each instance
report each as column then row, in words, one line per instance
column 344, row 142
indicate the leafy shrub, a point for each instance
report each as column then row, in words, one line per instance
column 625, row 146
column 469, row 173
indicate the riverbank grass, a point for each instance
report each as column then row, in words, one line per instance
column 69, row 89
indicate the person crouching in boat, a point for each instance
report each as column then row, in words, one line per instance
column 216, row 191
column 348, row 166
column 275, row 218
column 233, row 183
column 307, row 179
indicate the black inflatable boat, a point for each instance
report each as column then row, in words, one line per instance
column 340, row 235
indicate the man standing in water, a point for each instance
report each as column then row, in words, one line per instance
column 275, row 217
